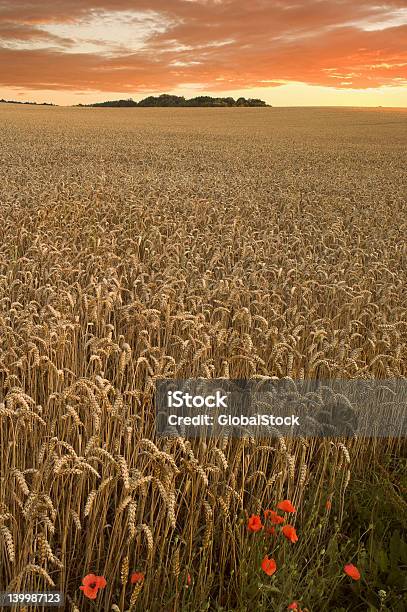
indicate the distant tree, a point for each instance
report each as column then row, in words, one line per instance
column 114, row 103
column 200, row 101
column 255, row 102
column 172, row 100
column 2, row 101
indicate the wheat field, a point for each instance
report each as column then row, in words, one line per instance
column 138, row 244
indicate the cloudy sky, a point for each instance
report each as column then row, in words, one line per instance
column 288, row 52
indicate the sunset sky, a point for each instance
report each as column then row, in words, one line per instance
column 294, row 52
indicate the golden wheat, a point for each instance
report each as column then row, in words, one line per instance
column 175, row 244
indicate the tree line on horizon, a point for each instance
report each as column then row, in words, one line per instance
column 172, row 100
column 162, row 100
column 3, row 101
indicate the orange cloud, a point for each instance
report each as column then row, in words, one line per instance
column 223, row 45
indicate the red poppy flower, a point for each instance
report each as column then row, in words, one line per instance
column 290, row 533
column 286, row 506
column 254, row 523
column 275, row 518
column 293, row 606
column 328, row 504
column 268, row 566
column 352, row 571
column 136, row 577
column 270, row 531
column 92, row 584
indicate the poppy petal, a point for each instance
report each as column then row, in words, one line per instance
column 89, row 579
column 275, row 518
column 290, row 533
column 286, row 506
column 100, row 582
column 89, row 592
column 352, row 571
column 268, row 566
column 136, row 577
column 254, row 523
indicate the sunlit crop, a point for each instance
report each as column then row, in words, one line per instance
column 145, row 243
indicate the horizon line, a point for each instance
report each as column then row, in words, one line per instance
column 269, row 106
